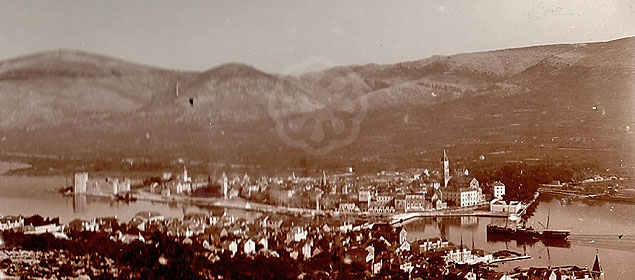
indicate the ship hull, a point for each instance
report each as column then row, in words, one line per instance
column 554, row 234
column 511, row 233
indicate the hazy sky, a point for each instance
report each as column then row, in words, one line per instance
column 196, row 35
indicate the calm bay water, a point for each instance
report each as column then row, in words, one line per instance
column 587, row 222
column 30, row 195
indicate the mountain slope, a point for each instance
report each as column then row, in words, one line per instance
column 233, row 92
column 62, row 86
column 556, row 102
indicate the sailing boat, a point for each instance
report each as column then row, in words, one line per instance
column 553, row 233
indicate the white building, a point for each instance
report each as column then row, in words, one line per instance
column 348, row 207
column 465, row 256
column 249, row 247
column 233, row 247
column 118, row 186
column 464, row 192
column 380, row 207
column 499, row 190
column 501, row 206
column 186, row 178
column 11, row 222
column 364, row 196
column 181, row 187
column 415, row 202
column 297, row 234
column 124, row 186
column 435, row 243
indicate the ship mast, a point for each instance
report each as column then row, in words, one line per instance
column 461, row 249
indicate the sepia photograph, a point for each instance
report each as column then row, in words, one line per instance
column 298, row 139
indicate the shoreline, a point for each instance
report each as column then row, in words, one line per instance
column 623, row 199
column 12, row 166
column 267, row 208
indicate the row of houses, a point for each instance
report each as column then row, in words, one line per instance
column 460, row 192
column 569, row 272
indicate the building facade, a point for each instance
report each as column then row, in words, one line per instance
column 464, row 192
column 499, row 190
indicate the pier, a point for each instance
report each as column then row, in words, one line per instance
column 518, row 258
column 404, row 218
column 523, row 211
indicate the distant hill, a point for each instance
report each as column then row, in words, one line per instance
column 65, row 86
column 562, row 103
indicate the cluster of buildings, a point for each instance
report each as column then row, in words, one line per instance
column 182, row 183
column 383, row 194
column 375, row 247
column 11, row 222
column 19, row 223
column 569, row 272
column 423, row 191
column 52, row 265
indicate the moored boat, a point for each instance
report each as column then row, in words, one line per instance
column 517, row 233
column 499, row 230
column 551, row 233
column 555, row 234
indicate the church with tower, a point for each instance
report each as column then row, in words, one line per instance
column 461, row 190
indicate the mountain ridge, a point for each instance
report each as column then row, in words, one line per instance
column 484, row 101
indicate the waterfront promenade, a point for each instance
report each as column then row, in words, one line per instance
column 404, row 218
column 392, row 218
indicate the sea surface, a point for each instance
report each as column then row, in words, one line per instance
column 603, row 227
column 31, row 195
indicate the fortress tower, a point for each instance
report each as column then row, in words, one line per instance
column 80, row 182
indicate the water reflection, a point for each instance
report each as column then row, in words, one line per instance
column 562, row 243
column 588, row 222
column 469, row 221
column 80, row 204
column 24, row 195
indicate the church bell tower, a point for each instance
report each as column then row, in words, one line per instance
column 445, row 162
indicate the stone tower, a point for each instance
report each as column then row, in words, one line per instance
column 323, row 182
column 445, row 162
column 225, row 186
column 80, row 182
